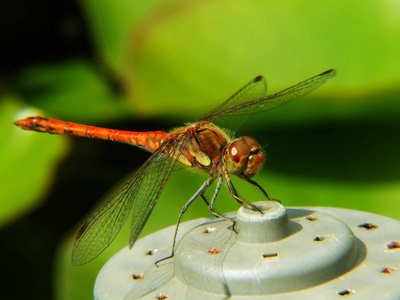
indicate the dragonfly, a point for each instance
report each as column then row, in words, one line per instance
column 205, row 145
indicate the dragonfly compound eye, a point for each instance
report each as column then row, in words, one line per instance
column 254, row 164
column 256, row 157
column 239, row 151
column 238, row 154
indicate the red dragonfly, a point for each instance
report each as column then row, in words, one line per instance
column 201, row 145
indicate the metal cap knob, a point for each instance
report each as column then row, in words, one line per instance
column 261, row 258
column 270, row 226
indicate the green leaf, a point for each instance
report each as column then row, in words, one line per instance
column 28, row 162
column 190, row 59
column 182, row 59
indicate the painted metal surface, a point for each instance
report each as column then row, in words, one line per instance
column 284, row 253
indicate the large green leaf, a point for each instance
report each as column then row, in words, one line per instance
column 184, row 57
column 28, row 162
column 198, row 55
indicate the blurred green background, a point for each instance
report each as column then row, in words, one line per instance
column 154, row 65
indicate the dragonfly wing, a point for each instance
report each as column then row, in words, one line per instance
column 101, row 229
column 255, row 89
column 256, row 105
column 151, row 183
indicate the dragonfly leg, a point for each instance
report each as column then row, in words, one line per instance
column 235, row 195
column 261, row 189
column 205, row 199
column 211, row 205
column 200, row 191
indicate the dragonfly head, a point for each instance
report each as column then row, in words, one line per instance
column 244, row 157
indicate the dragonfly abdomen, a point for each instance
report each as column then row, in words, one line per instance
column 150, row 141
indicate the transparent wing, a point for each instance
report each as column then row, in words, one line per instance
column 151, row 184
column 141, row 193
column 241, row 106
column 255, row 89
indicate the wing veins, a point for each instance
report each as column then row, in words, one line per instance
column 142, row 213
column 280, row 98
column 97, row 236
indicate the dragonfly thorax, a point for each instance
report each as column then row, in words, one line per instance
column 244, row 157
column 204, row 148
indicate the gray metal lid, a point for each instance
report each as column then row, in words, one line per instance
column 294, row 253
